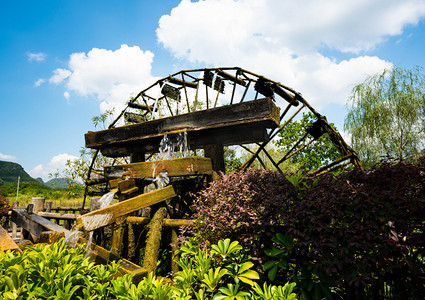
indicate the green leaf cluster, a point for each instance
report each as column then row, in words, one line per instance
column 56, row 272
column 53, row 272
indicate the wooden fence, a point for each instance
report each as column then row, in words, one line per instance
column 62, row 215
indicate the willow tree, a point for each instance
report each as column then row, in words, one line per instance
column 386, row 115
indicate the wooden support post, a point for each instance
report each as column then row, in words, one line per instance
column 38, row 204
column 153, row 240
column 118, row 236
column 94, row 203
column 216, row 153
column 48, row 206
column 131, row 243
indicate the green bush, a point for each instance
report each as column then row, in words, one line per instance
column 56, row 272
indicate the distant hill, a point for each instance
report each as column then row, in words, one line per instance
column 10, row 171
column 57, row 183
column 40, row 180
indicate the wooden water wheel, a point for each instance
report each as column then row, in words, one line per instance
column 208, row 109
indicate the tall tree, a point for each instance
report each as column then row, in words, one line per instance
column 386, row 115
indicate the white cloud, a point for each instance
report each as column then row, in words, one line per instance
column 36, row 56
column 282, row 39
column 7, row 157
column 56, row 163
column 66, row 95
column 110, row 76
column 60, row 76
column 39, row 82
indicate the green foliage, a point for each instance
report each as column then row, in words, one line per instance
column 386, row 115
column 27, row 190
column 317, row 154
column 56, row 272
column 221, row 272
column 231, row 162
column 53, row 272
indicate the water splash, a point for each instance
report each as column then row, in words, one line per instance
column 103, row 202
column 173, row 147
column 71, row 239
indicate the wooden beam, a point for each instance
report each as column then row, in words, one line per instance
column 58, row 216
column 202, row 127
column 6, row 242
column 108, row 215
column 167, row 222
column 34, row 223
column 186, row 166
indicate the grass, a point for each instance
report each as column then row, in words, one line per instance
column 73, row 202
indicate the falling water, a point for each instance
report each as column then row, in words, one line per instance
column 169, row 147
column 103, row 202
column 71, row 239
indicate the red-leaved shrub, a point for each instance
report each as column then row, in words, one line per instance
column 360, row 233
column 243, row 206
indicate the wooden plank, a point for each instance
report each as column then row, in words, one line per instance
column 6, row 242
column 186, row 166
column 108, row 215
column 22, row 219
column 34, row 223
column 202, row 126
column 58, row 216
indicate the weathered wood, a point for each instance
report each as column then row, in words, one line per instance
column 38, row 203
column 153, row 240
column 186, row 166
column 50, row 237
column 117, row 236
column 167, row 222
column 58, row 216
column 108, row 215
column 21, row 218
column 6, row 242
column 48, row 206
column 216, row 153
column 244, row 122
column 34, row 223
column 134, row 118
column 127, row 186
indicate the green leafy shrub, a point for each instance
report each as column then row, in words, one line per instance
column 56, row 272
column 53, row 272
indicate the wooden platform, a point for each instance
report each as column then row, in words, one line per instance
column 240, row 123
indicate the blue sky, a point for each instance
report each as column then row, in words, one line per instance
column 63, row 62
